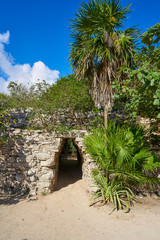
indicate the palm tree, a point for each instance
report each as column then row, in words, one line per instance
column 99, row 48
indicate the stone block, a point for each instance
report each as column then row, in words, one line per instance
column 79, row 139
column 17, row 131
column 56, row 142
column 21, row 166
column 49, row 162
column 35, row 147
column 45, row 184
column 46, row 143
column 31, row 172
column 47, row 176
column 33, row 178
column 20, row 177
column 13, row 153
column 33, row 163
column 49, row 148
column 42, row 156
column 11, row 160
column 29, row 158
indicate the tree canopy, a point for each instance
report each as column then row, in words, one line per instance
column 99, row 47
column 139, row 92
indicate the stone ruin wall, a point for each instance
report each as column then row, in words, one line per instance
column 29, row 162
column 61, row 117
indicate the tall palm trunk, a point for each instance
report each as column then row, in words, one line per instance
column 105, row 115
column 101, row 89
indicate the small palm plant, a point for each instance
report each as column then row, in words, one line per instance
column 123, row 162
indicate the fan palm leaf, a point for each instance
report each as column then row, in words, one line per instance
column 123, row 162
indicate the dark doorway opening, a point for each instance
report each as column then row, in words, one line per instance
column 70, row 164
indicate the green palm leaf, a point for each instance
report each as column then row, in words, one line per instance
column 123, row 163
column 98, row 46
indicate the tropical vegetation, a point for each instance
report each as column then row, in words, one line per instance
column 99, row 47
column 125, row 164
column 67, row 95
column 112, row 71
column 138, row 95
column 124, row 75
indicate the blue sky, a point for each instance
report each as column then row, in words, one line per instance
column 37, row 41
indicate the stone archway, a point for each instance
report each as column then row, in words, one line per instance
column 77, row 142
column 68, row 164
column 33, row 159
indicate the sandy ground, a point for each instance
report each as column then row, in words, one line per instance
column 65, row 215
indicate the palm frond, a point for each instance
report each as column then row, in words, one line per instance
column 124, row 163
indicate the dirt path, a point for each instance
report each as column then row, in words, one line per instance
column 65, row 215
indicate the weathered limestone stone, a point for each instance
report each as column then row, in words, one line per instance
column 13, row 153
column 35, row 147
column 78, row 139
column 48, row 148
column 49, row 162
column 31, row 172
column 45, row 185
column 11, row 160
column 48, row 176
column 17, row 131
column 33, row 164
column 20, row 177
column 33, row 178
column 46, row 143
column 42, row 156
column 29, row 158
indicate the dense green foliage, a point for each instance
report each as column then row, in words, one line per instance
column 150, row 51
column 5, row 119
column 123, row 162
column 67, row 95
column 138, row 94
column 4, row 123
column 20, row 96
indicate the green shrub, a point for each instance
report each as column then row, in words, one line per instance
column 125, row 163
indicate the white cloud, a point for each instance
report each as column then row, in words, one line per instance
column 4, row 37
column 3, row 85
column 22, row 73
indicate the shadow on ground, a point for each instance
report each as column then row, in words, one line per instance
column 11, row 199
